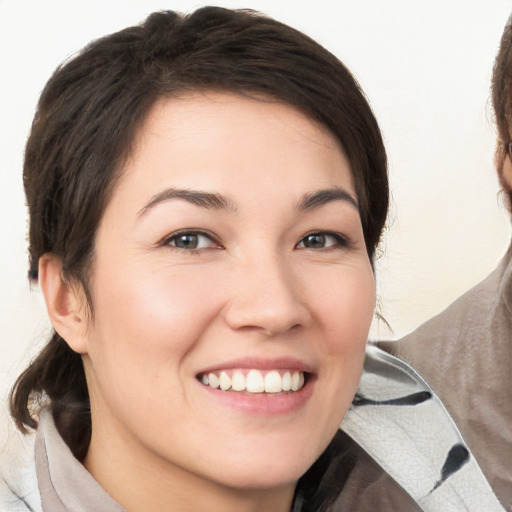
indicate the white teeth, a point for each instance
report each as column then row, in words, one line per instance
column 295, row 381
column 213, row 380
column 287, row 381
column 225, row 381
column 273, row 382
column 238, row 381
column 255, row 381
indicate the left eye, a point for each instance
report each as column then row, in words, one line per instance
column 321, row 240
column 190, row 241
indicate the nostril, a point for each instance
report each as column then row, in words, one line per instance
column 270, row 318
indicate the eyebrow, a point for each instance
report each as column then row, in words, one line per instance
column 203, row 199
column 217, row 201
column 320, row 197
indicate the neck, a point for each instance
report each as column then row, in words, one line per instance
column 140, row 484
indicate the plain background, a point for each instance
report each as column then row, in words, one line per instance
column 425, row 66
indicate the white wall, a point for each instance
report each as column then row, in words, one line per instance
column 425, row 66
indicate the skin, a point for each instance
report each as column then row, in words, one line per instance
column 255, row 291
column 507, row 174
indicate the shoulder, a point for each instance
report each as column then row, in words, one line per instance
column 18, row 481
column 464, row 321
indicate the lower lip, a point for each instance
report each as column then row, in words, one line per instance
column 263, row 404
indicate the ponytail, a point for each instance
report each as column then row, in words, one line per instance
column 55, row 377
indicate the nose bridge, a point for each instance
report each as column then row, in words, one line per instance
column 265, row 295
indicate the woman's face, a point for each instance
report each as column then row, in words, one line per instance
column 229, row 267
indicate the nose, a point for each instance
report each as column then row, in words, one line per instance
column 266, row 297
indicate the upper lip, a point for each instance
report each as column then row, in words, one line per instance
column 258, row 363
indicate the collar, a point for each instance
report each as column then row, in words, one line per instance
column 399, row 421
column 64, row 484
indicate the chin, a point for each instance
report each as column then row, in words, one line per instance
column 271, row 471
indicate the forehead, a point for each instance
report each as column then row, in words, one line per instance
column 192, row 115
column 222, row 139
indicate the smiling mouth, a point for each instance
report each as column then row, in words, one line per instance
column 255, row 381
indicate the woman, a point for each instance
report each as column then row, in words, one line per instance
column 206, row 194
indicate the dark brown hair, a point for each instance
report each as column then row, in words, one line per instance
column 501, row 89
column 85, row 123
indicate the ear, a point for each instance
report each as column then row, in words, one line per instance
column 65, row 302
column 506, row 176
column 503, row 163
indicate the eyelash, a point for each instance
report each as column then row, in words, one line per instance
column 340, row 241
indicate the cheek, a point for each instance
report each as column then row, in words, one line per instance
column 146, row 322
column 162, row 302
column 347, row 310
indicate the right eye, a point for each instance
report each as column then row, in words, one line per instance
column 323, row 240
column 190, row 240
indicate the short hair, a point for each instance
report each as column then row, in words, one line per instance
column 501, row 92
column 90, row 111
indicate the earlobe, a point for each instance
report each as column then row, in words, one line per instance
column 65, row 303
